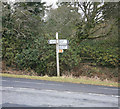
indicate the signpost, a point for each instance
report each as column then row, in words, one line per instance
column 60, row 51
column 60, row 45
column 63, row 47
column 61, row 42
column 57, row 55
column 51, row 41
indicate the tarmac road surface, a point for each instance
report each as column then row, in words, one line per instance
column 18, row 92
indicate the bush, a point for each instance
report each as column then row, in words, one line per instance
column 100, row 51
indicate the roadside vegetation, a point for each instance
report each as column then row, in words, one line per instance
column 92, row 35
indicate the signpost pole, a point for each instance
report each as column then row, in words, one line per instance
column 60, row 45
column 57, row 54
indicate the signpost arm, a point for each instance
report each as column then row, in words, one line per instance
column 57, row 54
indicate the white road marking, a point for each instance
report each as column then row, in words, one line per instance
column 109, row 88
column 68, row 92
column 4, row 80
column 103, row 95
column 96, row 94
column 59, row 84
column 8, row 87
column 24, row 89
column 30, row 89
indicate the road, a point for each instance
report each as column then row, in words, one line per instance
column 18, row 92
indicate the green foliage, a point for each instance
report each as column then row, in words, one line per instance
column 111, row 10
column 62, row 20
column 42, row 58
column 70, row 58
column 26, row 34
column 103, row 52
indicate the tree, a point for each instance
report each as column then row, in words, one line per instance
column 62, row 20
column 19, row 27
column 111, row 10
column 93, row 21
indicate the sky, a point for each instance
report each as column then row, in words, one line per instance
column 50, row 2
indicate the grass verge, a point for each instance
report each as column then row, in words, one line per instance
column 65, row 79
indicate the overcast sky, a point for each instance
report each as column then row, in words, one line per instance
column 50, row 2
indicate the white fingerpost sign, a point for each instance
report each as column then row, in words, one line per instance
column 60, row 45
column 63, row 42
column 51, row 41
column 63, row 46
